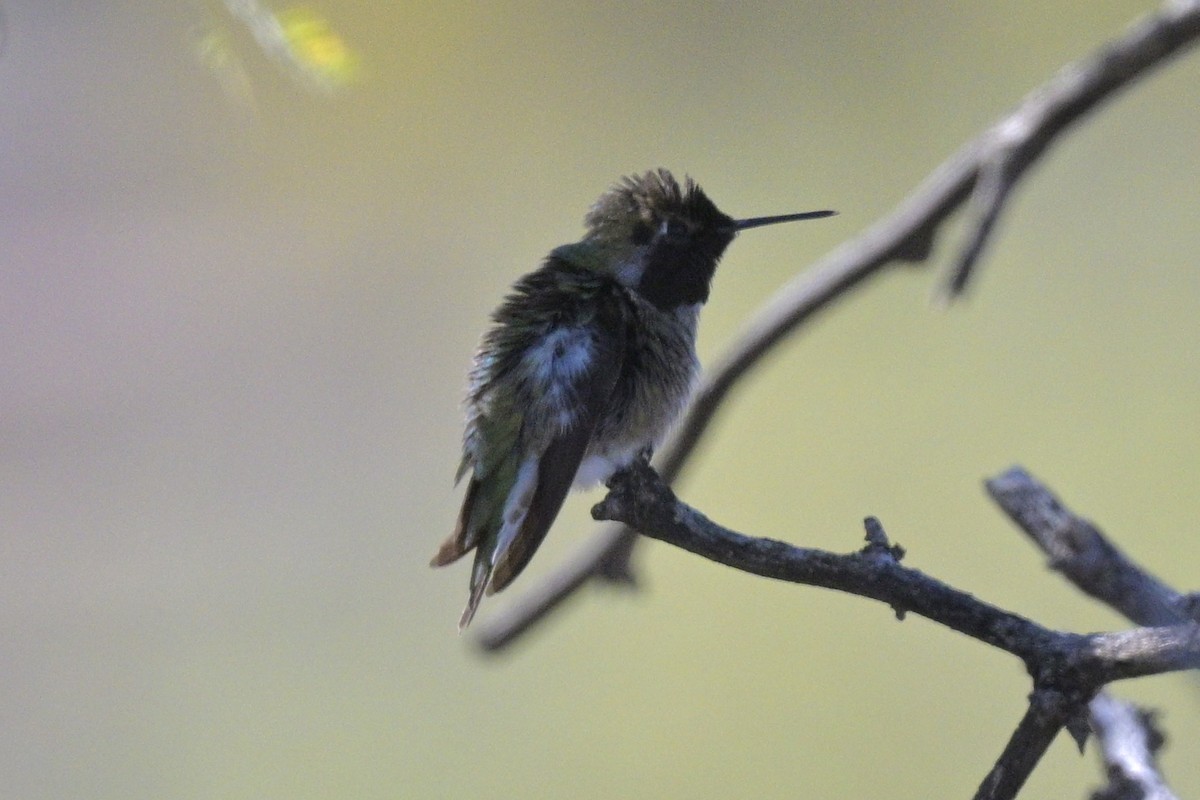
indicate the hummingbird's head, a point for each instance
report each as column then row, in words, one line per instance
column 660, row 238
column 664, row 240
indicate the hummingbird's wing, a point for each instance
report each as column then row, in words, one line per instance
column 520, row 473
column 558, row 463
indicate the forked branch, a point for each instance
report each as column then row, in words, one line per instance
column 1067, row 669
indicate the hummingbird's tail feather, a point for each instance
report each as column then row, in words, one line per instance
column 465, row 535
column 555, row 473
column 481, row 573
column 478, row 526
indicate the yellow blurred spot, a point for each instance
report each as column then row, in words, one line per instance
column 318, row 48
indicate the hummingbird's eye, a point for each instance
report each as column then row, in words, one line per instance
column 673, row 228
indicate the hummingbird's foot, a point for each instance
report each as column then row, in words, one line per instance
column 635, row 487
column 640, row 461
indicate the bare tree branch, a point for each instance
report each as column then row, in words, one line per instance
column 1019, row 140
column 1067, row 668
column 1049, row 711
column 985, row 169
column 1129, row 742
column 1141, row 652
column 1080, row 551
column 1081, row 663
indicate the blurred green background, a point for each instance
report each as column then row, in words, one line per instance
column 237, row 316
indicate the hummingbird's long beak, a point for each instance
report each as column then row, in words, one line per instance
column 758, row 222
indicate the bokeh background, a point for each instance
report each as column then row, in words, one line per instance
column 238, row 300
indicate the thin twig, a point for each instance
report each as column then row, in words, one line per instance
column 1081, row 552
column 1005, row 151
column 1019, row 140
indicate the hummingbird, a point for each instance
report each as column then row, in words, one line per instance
column 589, row 361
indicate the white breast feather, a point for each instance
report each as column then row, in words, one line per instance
column 554, row 366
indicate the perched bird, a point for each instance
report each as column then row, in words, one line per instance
column 590, row 360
